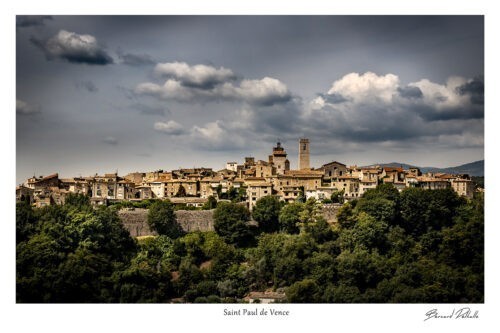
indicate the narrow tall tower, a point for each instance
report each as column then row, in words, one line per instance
column 304, row 154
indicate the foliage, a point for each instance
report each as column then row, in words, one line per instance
column 162, row 219
column 210, row 204
column 419, row 246
column 289, row 218
column 337, row 196
column 306, row 291
column 266, row 213
column 231, row 223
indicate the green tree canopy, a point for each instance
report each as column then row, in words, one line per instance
column 266, row 212
column 289, row 217
column 162, row 219
column 231, row 223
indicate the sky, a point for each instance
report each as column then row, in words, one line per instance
column 99, row 94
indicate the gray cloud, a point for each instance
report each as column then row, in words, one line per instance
column 25, row 109
column 135, row 60
column 333, row 98
column 110, row 140
column 87, row 85
column 23, row 21
column 74, row 48
column 170, row 127
column 475, row 89
column 150, row 110
column 410, row 92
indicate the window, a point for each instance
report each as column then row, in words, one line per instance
column 304, row 147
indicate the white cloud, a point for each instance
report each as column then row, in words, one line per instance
column 376, row 108
column 194, row 76
column 367, row 86
column 201, row 83
column 24, row 108
column 171, row 127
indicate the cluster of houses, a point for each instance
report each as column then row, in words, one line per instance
column 251, row 180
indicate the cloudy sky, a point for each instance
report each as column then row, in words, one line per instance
column 98, row 94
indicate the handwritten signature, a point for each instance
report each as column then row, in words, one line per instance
column 463, row 313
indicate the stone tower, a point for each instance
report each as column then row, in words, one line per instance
column 278, row 158
column 304, row 154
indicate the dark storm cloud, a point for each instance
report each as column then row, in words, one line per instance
column 275, row 66
column 87, row 85
column 428, row 113
column 410, row 92
column 135, row 60
column 74, row 48
column 475, row 89
column 333, row 98
column 23, row 21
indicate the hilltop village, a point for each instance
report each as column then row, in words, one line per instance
column 248, row 182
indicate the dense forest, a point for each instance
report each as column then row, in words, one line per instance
column 417, row 246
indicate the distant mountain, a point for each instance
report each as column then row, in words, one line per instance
column 472, row 169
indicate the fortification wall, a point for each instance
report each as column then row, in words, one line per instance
column 136, row 221
column 330, row 212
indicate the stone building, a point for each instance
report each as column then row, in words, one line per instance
column 304, row 163
column 159, row 187
column 256, row 188
column 233, row 166
column 333, row 170
column 463, row 187
column 350, row 185
column 42, row 182
column 173, row 186
column 278, row 159
column 104, row 187
column 125, row 190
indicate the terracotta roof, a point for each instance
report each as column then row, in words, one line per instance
column 334, row 162
column 255, row 179
column 54, row 175
column 181, row 181
column 312, row 173
column 261, row 184
column 348, row 177
column 430, row 179
column 391, row 169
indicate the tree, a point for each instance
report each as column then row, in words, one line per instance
column 162, row 219
column 345, row 216
column 337, row 196
column 305, row 291
column 266, row 213
column 289, row 217
column 380, row 208
column 230, row 222
column 25, row 221
column 210, row 204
